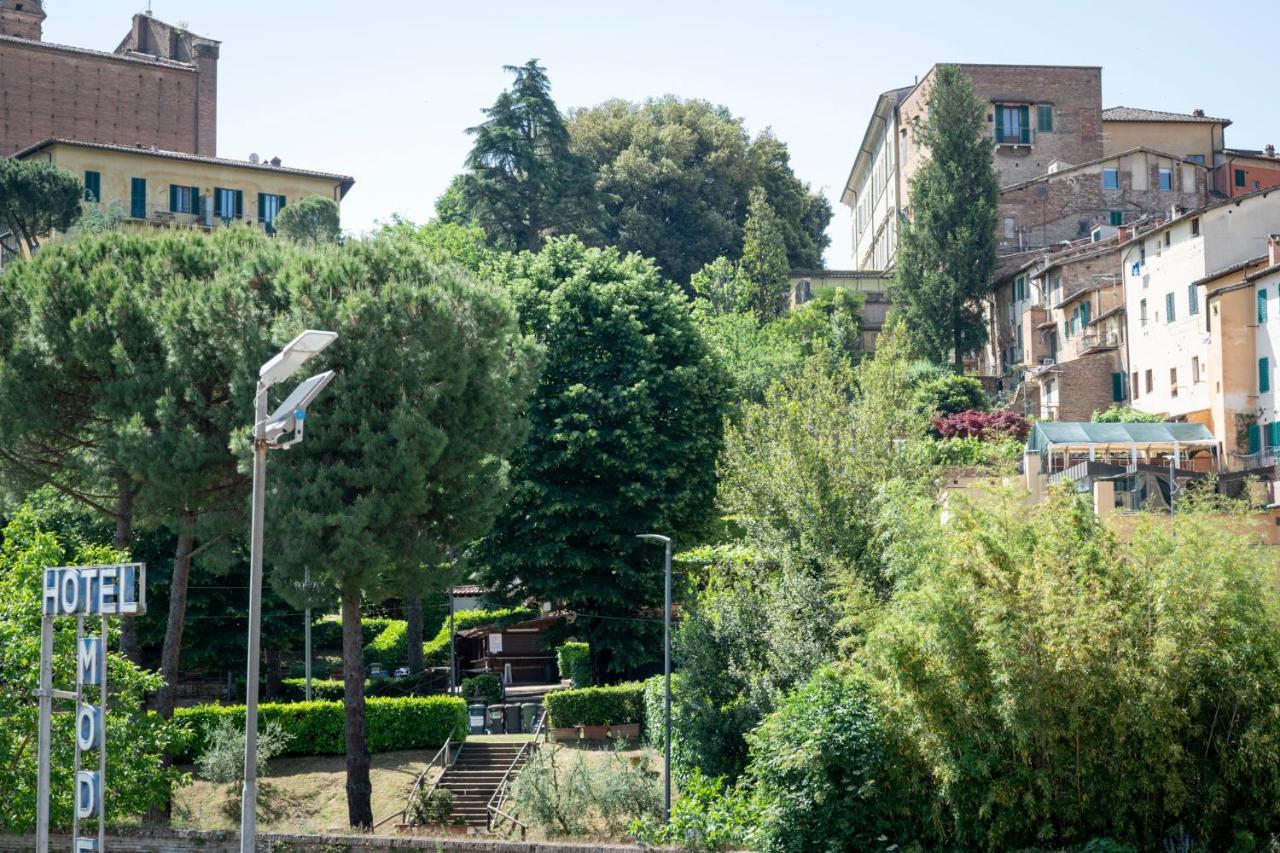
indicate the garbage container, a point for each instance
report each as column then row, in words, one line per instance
column 496, row 720
column 475, row 716
column 512, row 718
column 528, row 716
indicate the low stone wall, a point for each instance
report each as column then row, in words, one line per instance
column 181, row 840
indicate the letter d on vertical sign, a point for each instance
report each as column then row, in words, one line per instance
column 88, row 794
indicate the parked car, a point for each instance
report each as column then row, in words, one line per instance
column 401, row 672
column 377, row 670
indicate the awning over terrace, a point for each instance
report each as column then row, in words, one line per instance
column 1064, row 443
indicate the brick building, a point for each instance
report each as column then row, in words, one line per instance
column 1243, row 171
column 159, row 87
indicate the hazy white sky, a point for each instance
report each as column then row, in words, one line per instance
column 384, row 91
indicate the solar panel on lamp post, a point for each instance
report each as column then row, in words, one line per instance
column 288, row 418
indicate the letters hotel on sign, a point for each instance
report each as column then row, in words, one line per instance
column 83, row 591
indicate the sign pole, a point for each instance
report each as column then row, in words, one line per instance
column 43, row 738
column 102, row 747
column 75, row 773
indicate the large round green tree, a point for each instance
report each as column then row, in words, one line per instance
column 625, row 430
column 407, row 455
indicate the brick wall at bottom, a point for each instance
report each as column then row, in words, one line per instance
column 217, row 841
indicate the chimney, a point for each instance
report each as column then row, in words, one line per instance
column 1273, row 250
column 1270, row 150
column 275, row 161
column 1198, row 113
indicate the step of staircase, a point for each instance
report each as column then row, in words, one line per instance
column 475, row 775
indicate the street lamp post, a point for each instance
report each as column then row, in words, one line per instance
column 268, row 431
column 666, row 672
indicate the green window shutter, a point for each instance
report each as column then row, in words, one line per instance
column 1117, row 217
column 1273, row 434
column 1255, row 438
column 1239, row 177
column 999, row 123
column 1168, row 308
column 1044, row 118
column 173, row 198
column 1193, row 300
column 1262, row 306
column 138, row 198
column 1117, row 387
column 195, row 201
column 1024, row 126
column 1264, row 375
column 93, row 186
column 1084, row 314
column 239, row 204
column 262, row 207
column 283, row 200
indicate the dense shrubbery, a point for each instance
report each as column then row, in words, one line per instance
column 316, row 728
column 989, row 426
column 952, row 394
column 486, row 688
column 1125, row 415
column 326, row 632
column 596, row 706
column 586, row 797
column 975, row 451
column 574, row 662
column 390, row 647
column 295, row 689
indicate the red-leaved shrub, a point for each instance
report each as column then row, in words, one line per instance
column 988, row 426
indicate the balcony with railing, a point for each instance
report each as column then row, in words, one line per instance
column 1091, row 342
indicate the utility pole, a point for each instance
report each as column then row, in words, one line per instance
column 666, row 672
column 306, row 574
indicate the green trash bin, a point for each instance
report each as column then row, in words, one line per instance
column 528, row 716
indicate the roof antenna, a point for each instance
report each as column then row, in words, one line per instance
column 148, row 8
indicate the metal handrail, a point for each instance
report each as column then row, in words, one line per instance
column 417, row 783
column 499, row 797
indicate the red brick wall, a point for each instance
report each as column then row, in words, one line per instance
column 49, row 91
column 1266, row 175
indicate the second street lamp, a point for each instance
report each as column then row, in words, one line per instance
column 268, row 432
column 666, row 672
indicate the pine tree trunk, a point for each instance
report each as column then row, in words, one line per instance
column 171, row 653
column 124, row 542
column 413, row 616
column 359, row 788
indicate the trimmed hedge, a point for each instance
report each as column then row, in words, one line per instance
column 436, row 650
column 390, row 648
column 317, row 728
column 596, row 706
column 574, row 661
column 326, row 632
column 295, row 689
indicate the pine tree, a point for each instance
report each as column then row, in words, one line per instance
column 947, row 255
column 523, row 182
column 764, row 258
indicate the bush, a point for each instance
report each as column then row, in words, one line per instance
column 580, row 799
column 574, row 660
column 707, row 816
column 975, row 451
column 596, row 706
column 820, row 771
column 1118, row 415
column 436, row 650
column 390, row 648
column 295, row 689
column 222, row 760
column 433, row 807
column 486, row 688
column 419, row 684
column 317, row 728
column 988, row 426
column 326, row 631
column 952, row 394
column 1060, row 685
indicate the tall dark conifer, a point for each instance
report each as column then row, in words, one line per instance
column 523, row 183
column 948, row 250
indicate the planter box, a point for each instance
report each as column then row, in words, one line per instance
column 566, row 734
column 630, row 731
column 595, row 732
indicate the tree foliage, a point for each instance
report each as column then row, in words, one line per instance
column 36, row 198
column 626, row 427
column 1123, row 415
column 409, row 457
column 313, row 219
column 764, row 264
column 135, row 740
column 674, row 178
column 1058, row 684
column 947, row 252
column 523, row 182
column 952, row 394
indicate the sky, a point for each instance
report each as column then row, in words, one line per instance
column 385, row 91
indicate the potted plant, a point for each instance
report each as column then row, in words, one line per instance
column 566, row 734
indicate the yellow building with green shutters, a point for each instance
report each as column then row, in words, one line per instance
column 166, row 188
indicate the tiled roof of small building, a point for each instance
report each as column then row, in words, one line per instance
column 1136, row 114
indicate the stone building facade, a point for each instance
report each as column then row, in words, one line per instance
column 158, row 89
column 1069, row 203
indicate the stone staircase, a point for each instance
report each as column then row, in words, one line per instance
column 474, row 776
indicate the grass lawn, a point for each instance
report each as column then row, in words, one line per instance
column 303, row 794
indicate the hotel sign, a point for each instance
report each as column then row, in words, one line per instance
column 82, row 592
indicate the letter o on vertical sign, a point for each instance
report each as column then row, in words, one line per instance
column 89, row 727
